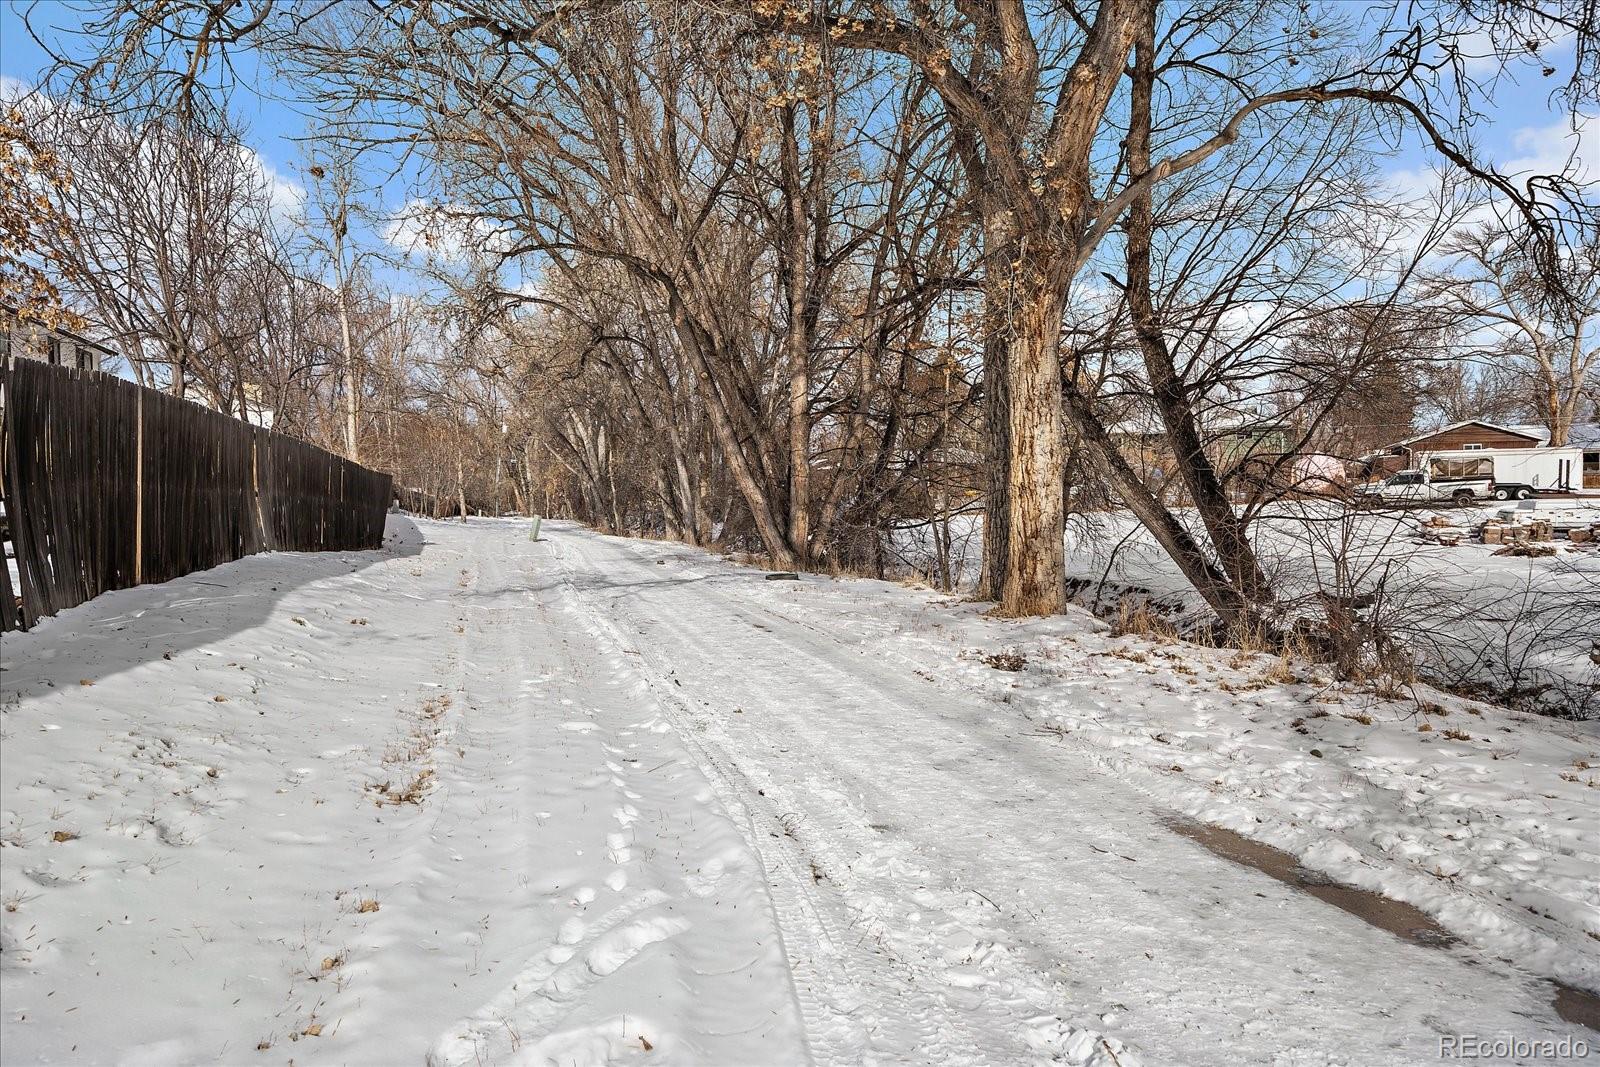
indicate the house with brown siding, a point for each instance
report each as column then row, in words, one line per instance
column 1586, row 435
column 1474, row 434
column 1469, row 435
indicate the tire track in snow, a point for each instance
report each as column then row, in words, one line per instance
column 1169, row 944
column 831, row 1037
column 670, row 922
column 941, row 1023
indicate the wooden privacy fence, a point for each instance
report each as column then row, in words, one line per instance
column 108, row 485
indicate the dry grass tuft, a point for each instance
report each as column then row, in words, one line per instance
column 1135, row 618
column 1392, row 686
column 415, row 748
column 411, row 793
column 1457, row 735
column 367, row 906
column 1281, row 672
column 61, row 837
column 1006, row 661
column 1255, row 638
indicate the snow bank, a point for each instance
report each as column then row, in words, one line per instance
column 1511, row 625
column 1482, row 817
column 364, row 808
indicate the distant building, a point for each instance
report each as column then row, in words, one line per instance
column 1584, row 435
column 1473, row 434
column 1234, row 436
column 1587, row 437
column 61, row 347
column 1468, row 434
column 256, row 410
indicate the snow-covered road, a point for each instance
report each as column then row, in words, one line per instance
column 482, row 800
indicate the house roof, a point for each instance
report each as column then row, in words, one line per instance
column 1579, row 434
column 1584, row 435
column 1532, row 429
column 1524, row 431
column 12, row 312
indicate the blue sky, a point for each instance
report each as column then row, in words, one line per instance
column 1525, row 130
column 273, row 124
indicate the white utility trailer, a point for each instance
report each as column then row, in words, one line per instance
column 1506, row 473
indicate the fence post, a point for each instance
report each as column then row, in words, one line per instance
column 533, row 531
column 138, row 490
column 263, row 538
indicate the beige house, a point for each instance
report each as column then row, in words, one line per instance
column 62, row 347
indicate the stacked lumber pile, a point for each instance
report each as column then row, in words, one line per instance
column 1516, row 531
column 1436, row 529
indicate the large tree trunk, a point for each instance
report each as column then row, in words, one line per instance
column 1557, row 416
column 798, row 344
column 352, row 380
column 461, row 481
column 755, row 495
column 1000, row 252
column 1035, row 572
column 179, row 385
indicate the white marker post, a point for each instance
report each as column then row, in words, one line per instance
column 533, row 531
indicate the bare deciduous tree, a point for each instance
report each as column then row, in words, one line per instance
column 1538, row 332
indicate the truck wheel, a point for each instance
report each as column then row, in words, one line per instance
column 1524, row 493
column 1463, row 497
column 1502, row 494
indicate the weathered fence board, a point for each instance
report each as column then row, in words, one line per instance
column 109, row 485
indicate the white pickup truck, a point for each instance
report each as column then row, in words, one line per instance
column 1416, row 487
column 1475, row 474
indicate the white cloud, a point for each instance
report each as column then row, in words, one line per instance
column 13, row 88
column 288, row 197
column 1556, row 148
column 1563, row 146
column 1412, row 185
column 441, row 231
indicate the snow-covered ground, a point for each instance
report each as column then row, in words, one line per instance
column 1469, row 617
column 473, row 799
